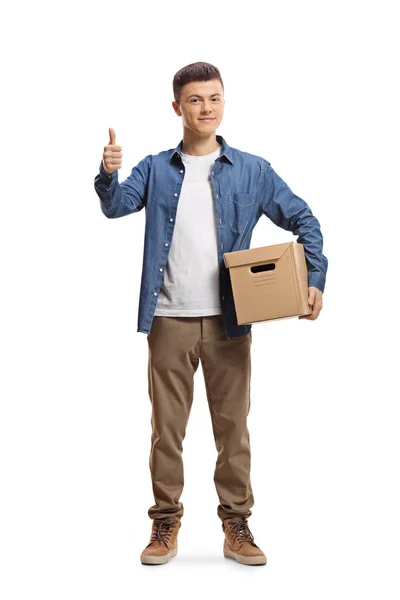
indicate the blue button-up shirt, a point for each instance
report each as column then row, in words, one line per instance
column 244, row 187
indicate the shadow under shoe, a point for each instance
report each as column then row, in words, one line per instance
column 239, row 542
column 163, row 543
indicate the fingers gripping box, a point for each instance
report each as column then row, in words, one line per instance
column 269, row 282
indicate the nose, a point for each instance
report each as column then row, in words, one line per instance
column 206, row 109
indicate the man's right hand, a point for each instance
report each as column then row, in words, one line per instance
column 112, row 155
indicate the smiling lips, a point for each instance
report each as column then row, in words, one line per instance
column 207, row 119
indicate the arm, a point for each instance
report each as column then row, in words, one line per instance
column 120, row 199
column 290, row 212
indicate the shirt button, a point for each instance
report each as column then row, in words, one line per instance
column 171, row 220
column 166, row 244
column 212, row 172
column 175, row 194
column 222, row 246
column 161, row 269
column 155, row 294
column 217, row 196
column 181, row 171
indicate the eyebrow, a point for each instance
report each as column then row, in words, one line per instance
column 217, row 94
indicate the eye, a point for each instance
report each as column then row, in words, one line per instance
column 195, row 100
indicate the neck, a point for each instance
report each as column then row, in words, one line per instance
column 199, row 146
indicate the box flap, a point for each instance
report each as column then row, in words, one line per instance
column 254, row 255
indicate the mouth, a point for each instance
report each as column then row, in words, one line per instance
column 208, row 119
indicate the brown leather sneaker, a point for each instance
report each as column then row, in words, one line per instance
column 239, row 542
column 163, row 542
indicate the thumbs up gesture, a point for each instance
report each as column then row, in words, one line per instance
column 112, row 155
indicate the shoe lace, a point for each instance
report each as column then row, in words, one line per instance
column 162, row 529
column 240, row 530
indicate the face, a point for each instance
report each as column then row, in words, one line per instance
column 200, row 99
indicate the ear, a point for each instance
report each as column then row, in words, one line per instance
column 176, row 108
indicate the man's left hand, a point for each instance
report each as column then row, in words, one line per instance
column 315, row 303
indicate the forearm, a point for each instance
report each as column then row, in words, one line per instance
column 290, row 212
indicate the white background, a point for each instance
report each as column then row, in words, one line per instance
column 311, row 87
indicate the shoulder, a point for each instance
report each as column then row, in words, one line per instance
column 250, row 158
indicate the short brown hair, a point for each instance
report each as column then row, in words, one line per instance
column 198, row 71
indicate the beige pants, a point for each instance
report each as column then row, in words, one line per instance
column 176, row 344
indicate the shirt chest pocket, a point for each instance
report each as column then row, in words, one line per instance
column 240, row 209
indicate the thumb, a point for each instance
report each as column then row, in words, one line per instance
column 112, row 136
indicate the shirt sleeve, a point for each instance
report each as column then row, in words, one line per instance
column 120, row 199
column 292, row 213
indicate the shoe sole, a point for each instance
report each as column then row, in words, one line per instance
column 245, row 560
column 148, row 559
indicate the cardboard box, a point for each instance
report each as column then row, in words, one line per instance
column 270, row 282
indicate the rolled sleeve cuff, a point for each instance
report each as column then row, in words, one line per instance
column 316, row 280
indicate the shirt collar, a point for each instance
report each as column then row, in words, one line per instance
column 225, row 149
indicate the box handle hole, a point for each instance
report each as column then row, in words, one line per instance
column 265, row 267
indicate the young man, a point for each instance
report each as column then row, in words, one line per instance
column 202, row 199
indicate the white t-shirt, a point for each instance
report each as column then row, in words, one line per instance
column 191, row 279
